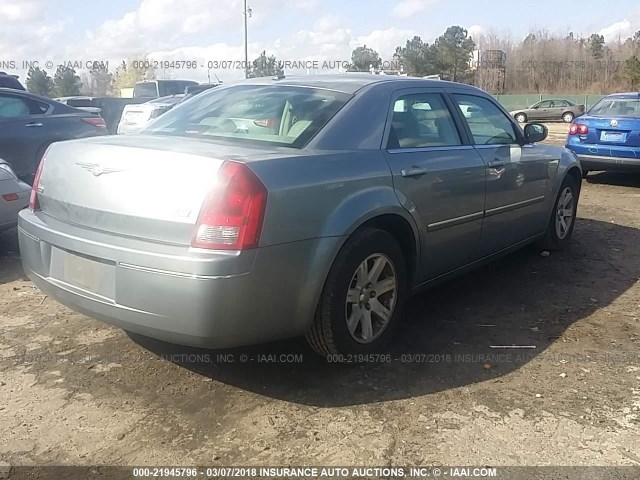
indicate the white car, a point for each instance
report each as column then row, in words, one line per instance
column 14, row 196
column 135, row 117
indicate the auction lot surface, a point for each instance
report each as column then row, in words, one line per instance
column 76, row 392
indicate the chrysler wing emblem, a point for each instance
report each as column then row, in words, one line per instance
column 97, row 169
column 614, row 123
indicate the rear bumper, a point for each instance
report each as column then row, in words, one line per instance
column 598, row 162
column 210, row 299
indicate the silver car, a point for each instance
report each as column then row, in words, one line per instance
column 14, row 196
column 319, row 220
column 549, row 110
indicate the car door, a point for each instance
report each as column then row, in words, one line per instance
column 556, row 109
column 438, row 177
column 21, row 131
column 540, row 111
column 518, row 175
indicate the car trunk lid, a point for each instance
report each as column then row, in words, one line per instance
column 149, row 187
column 611, row 132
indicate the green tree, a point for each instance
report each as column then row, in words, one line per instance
column 100, row 80
column 363, row 58
column 65, row 82
column 596, row 45
column 454, row 49
column 417, row 57
column 39, row 82
column 134, row 70
column 264, row 66
column 631, row 71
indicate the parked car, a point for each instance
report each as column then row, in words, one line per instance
column 30, row 123
column 608, row 136
column 14, row 196
column 135, row 117
column 549, row 110
column 160, row 88
column 197, row 232
column 109, row 108
column 10, row 81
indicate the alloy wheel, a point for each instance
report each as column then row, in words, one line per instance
column 371, row 298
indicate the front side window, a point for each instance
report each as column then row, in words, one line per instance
column 259, row 114
column 421, row 120
column 489, row 125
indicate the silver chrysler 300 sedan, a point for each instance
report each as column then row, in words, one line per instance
column 281, row 207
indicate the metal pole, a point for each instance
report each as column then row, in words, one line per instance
column 246, row 47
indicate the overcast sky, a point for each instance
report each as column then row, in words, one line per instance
column 292, row 29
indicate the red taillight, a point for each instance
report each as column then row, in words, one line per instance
column 265, row 122
column 232, row 214
column 581, row 108
column 578, row 129
column 33, row 199
column 10, row 197
column 96, row 122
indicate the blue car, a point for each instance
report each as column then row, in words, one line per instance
column 608, row 136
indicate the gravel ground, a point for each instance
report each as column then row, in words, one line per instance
column 74, row 391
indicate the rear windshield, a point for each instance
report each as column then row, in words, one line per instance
column 145, row 89
column 278, row 115
column 616, row 107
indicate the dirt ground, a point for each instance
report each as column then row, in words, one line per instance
column 74, row 391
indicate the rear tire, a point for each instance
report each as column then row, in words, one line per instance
column 563, row 216
column 352, row 318
column 568, row 117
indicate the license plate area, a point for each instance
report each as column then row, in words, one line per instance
column 613, row 137
column 87, row 273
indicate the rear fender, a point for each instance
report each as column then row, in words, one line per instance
column 352, row 213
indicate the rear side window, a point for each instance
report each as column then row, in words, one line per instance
column 145, row 89
column 262, row 114
column 488, row 125
column 11, row 107
column 421, row 120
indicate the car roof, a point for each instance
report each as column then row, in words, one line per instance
column 627, row 95
column 26, row 94
column 346, row 82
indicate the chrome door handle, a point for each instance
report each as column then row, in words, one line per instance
column 33, row 124
column 414, row 172
column 497, row 164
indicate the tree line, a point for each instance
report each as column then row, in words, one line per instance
column 98, row 82
column 541, row 63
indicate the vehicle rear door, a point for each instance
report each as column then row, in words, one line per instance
column 438, row 176
column 518, row 174
column 23, row 125
column 556, row 110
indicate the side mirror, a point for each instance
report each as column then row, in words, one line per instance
column 535, row 132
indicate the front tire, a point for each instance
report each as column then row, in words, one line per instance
column 521, row 118
column 563, row 216
column 361, row 302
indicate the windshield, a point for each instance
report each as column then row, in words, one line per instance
column 281, row 115
column 616, row 107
